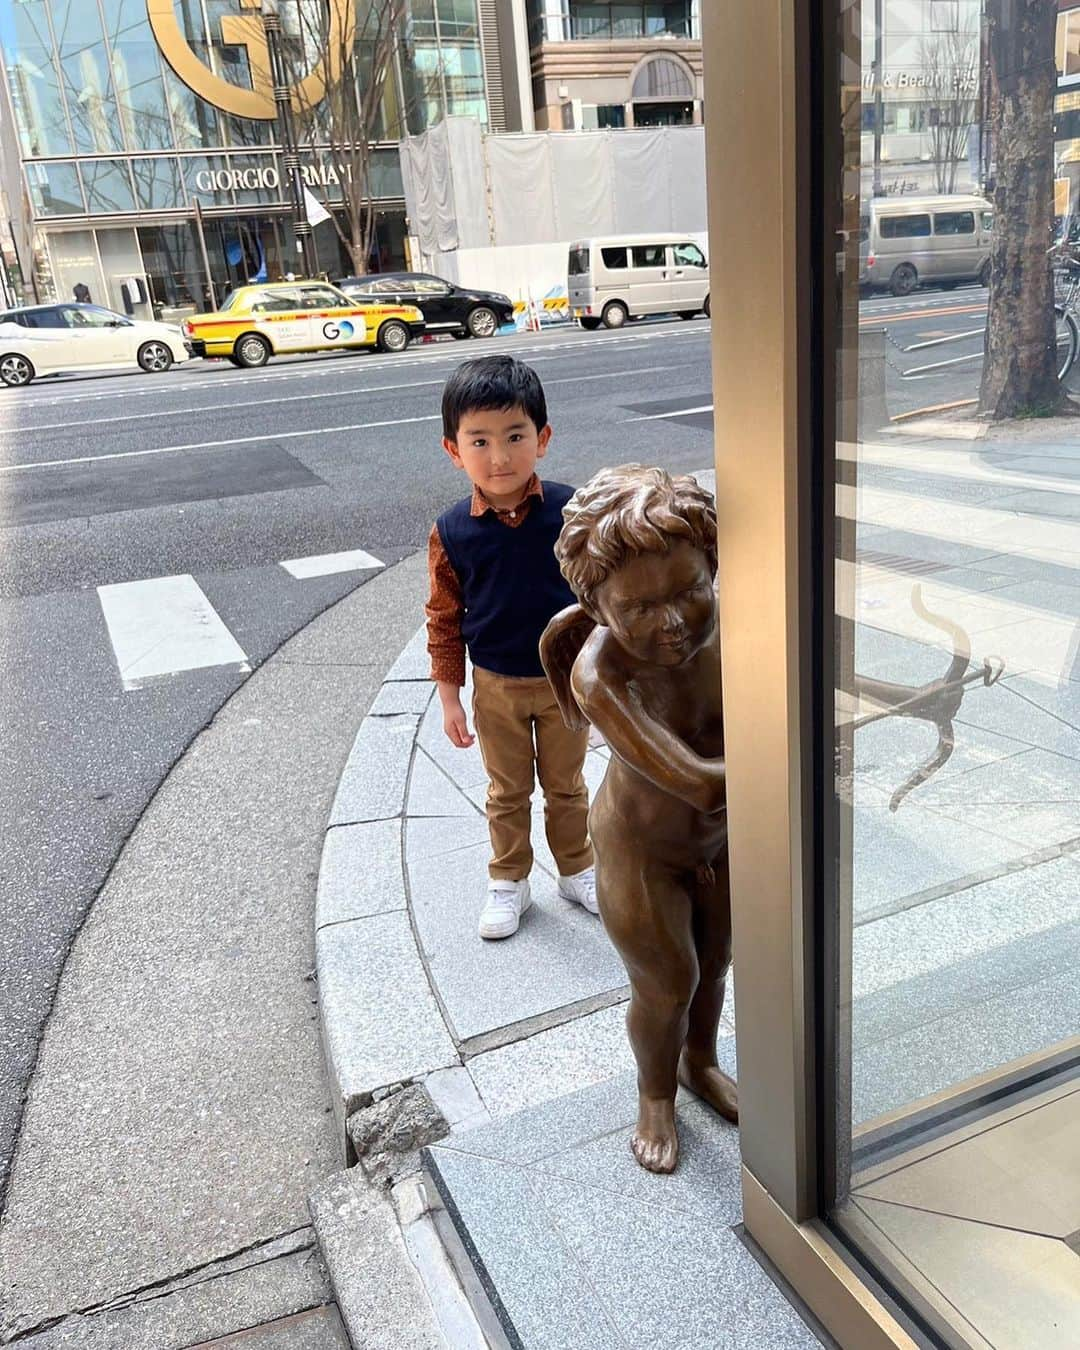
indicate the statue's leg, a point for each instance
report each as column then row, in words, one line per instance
column 647, row 915
column 698, row 1069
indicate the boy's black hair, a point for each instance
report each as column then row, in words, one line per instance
column 497, row 382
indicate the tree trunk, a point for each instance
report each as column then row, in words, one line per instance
column 359, row 254
column 1020, row 357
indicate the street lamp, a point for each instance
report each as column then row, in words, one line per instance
column 287, row 133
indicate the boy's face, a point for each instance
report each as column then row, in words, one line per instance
column 660, row 607
column 498, row 449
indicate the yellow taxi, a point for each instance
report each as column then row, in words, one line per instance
column 260, row 321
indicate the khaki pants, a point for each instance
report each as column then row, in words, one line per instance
column 518, row 724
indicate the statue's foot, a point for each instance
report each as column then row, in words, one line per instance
column 712, row 1086
column 655, row 1144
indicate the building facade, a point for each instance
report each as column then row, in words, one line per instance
column 597, row 65
column 148, row 146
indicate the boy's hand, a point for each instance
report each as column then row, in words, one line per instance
column 454, row 721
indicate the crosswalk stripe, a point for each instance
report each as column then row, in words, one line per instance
column 326, row 564
column 165, row 625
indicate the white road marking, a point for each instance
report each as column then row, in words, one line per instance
column 677, row 412
column 214, row 445
column 326, row 564
column 165, row 625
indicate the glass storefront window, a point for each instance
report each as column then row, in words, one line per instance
column 55, row 189
column 137, row 77
column 80, row 43
column 75, row 263
column 159, row 183
column 33, row 77
column 108, row 186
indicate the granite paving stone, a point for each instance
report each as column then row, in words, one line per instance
column 372, row 786
column 454, row 1093
column 1035, row 828
column 380, row 1019
column 432, row 792
column 666, row 1279
column 886, row 752
column 402, row 696
column 935, row 853
column 413, row 663
column 902, row 1069
column 560, row 954
column 563, row 1059
column 520, row 1255
column 1027, row 778
column 465, row 767
column 1015, row 708
column 964, row 983
column 937, row 933
column 361, row 872
column 437, row 836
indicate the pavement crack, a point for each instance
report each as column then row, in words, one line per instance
column 264, row 1251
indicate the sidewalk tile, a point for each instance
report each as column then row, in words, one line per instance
column 552, row 1063
column 464, row 767
column 667, row 1279
column 361, row 872
column 454, row 1093
column 902, row 1069
column 401, row 696
column 1030, row 778
column 434, row 836
column 934, row 935
column 372, row 786
column 413, row 663
column 432, row 793
column 381, row 1021
column 523, row 1259
column 1014, row 709
column 559, row 956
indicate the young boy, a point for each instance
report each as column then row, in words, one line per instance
column 495, row 583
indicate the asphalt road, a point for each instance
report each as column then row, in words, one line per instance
column 221, row 476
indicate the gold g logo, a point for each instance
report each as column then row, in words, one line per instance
column 246, row 30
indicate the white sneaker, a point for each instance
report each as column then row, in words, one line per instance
column 581, row 889
column 506, row 902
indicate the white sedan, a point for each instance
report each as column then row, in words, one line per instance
column 67, row 337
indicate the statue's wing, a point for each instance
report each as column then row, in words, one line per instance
column 560, row 644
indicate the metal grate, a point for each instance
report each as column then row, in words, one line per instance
column 493, row 81
column 896, row 562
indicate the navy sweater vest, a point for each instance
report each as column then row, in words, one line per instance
column 510, row 581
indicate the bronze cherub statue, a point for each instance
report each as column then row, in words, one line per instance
column 639, row 658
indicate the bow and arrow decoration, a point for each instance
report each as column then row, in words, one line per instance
column 936, row 702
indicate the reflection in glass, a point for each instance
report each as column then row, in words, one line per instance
column 955, row 829
column 159, row 183
column 108, row 186
column 55, row 189
column 33, row 78
column 84, row 64
column 137, row 77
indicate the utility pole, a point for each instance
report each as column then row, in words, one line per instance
column 287, row 135
column 879, row 111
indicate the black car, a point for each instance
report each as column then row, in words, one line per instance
column 446, row 308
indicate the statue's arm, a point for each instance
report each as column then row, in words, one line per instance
column 614, row 708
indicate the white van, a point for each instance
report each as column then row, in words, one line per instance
column 623, row 276
column 934, row 241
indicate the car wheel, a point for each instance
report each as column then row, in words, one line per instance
column 251, row 351
column 483, row 322
column 984, row 273
column 393, row 336
column 707, row 307
column 590, row 325
column 155, row 357
column 615, row 314
column 234, row 360
column 903, row 280
column 687, row 313
column 16, row 371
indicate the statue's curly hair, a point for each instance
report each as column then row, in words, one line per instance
column 627, row 510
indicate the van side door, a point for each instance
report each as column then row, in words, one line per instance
column 956, row 249
column 689, row 276
column 650, row 289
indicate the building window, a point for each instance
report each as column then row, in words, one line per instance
column 663, row 78
column 596, row 117
column 642, row 20
column 1067, row 46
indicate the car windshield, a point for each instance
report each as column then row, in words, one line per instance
column 230, row 300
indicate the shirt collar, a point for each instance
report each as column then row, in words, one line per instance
column 480, row 504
